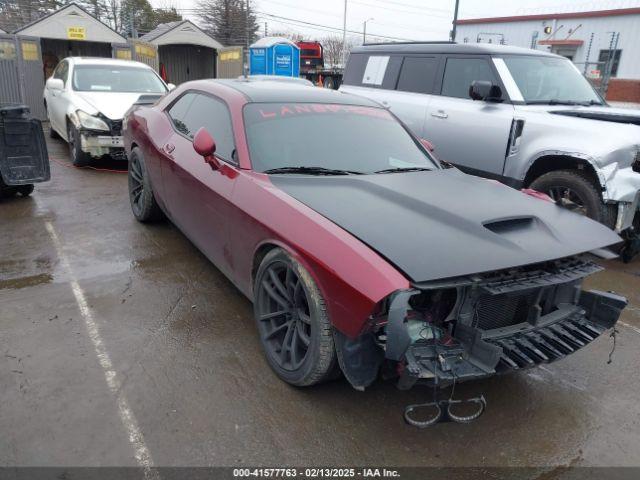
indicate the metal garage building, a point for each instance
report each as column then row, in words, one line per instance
column 185, row 52
column 604, row 44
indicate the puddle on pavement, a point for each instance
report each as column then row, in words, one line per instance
column 23, row 282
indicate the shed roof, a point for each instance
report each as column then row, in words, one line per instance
column 56, row 25
column 267, row 42
column 180, row 32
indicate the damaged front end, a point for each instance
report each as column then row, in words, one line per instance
column 473, row 327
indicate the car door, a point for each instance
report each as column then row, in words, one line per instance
column 198, row 197
column 413, row 90
column 470, row 134
column 57, row 99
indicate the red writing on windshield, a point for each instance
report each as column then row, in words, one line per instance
column 293, row 109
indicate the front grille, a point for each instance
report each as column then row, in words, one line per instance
column 547, row 344
column 504, row 310
column 116, row 128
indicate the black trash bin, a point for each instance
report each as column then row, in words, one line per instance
column 23, row 151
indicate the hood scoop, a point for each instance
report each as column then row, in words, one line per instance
column 600, row 115
column 509, row 225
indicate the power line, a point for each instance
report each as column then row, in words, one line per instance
column 299, row 23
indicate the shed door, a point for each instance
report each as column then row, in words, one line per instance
column 9, row 79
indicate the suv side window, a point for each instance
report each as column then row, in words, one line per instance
column 355, row 69
column 62, row 72
column 194, row 111
column 460, row 72
column 418, row 74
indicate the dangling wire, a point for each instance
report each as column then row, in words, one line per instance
column 613, row 335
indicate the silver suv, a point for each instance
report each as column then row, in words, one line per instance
column 524, row 117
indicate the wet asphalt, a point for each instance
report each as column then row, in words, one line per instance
column 184, row 356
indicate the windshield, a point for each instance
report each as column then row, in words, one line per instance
column 550, row 80
column 341, row 137
column 110, row 78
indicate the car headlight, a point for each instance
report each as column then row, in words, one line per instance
column 91, row 122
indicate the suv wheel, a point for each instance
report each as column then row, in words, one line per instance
column 575, row 191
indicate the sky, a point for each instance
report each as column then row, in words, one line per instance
column 407, row 20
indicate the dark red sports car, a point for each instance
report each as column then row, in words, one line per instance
column 357, row 247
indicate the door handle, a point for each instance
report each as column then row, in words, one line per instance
column 385, row 103
column 440, row 114
column 169, row 148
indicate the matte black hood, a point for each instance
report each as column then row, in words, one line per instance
column 444, row 223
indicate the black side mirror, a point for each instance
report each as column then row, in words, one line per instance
column 484, row 90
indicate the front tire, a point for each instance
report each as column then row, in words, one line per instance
column 143, row 202
column 292, row 320
column 77, row 156
column 575, row 191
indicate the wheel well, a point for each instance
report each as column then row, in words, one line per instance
column 257, row 258
column 551, row 163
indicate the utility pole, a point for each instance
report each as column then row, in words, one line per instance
column 364, row 30
column 344, row 35
column 246, row 39
column 455, row 21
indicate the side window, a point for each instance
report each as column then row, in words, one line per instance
column 355, row 69
column 418, row 74
column 178, row 111
column 460, row 72
column 194, row 111
column 62, row 72
column 375, row 70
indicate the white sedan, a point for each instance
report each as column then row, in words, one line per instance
column 86, row 99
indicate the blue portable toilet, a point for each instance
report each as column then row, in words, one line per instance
column 274, row 56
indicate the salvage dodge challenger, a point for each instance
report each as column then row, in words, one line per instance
column 359, row 249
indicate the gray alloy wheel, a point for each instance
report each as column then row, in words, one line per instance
column 292, row 320
column 143, row 202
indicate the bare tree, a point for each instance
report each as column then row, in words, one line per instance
column 333, row 49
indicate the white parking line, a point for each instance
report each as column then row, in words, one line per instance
column 128, row 419
column 632, row 327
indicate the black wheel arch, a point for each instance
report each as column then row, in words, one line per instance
column 552, row 162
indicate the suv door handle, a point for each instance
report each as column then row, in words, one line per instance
column 440, row 114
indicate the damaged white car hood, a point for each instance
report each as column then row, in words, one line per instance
column 112, row 105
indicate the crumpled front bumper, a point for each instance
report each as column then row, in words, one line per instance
column 99, row 145
column 472, row 353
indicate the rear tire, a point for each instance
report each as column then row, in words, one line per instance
column 293, row 323
column 575, row 191
column 143, row 202
column 77, row 156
